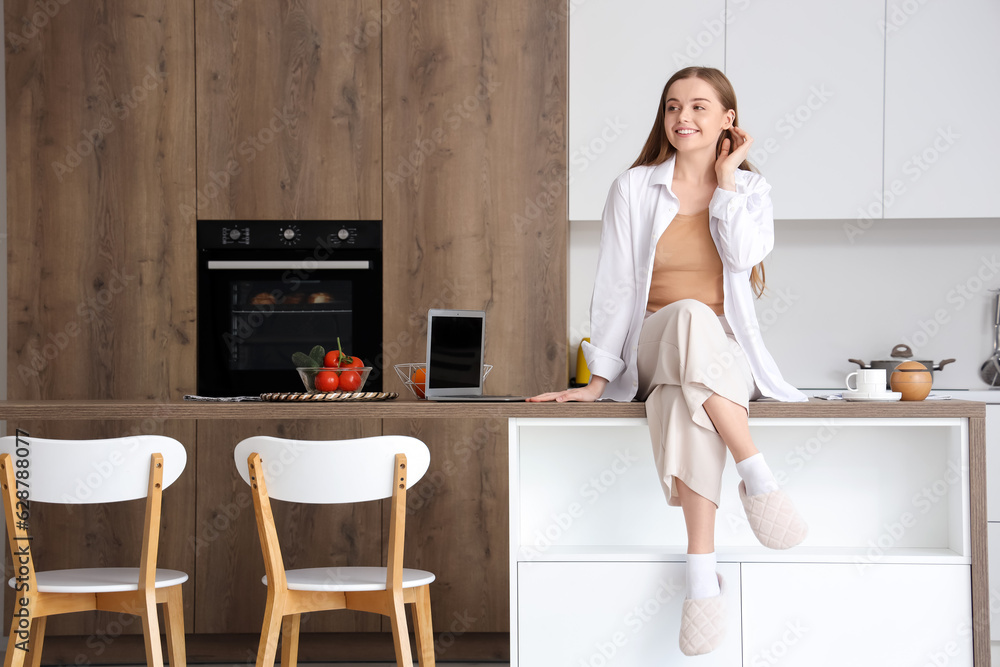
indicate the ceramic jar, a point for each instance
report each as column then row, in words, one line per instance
column 912, row 379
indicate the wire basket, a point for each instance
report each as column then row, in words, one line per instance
column 406, row 371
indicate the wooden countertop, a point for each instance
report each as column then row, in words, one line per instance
column 414, row 409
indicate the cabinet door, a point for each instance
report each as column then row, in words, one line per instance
column 620, row 57
column 825, row 615
column 622, row 614
column 809, row 81
column 993, row 537
column 289, row 110
column 941, row 98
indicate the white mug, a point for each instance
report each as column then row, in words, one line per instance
column 868, row 381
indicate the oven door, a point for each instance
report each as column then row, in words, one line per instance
column 254, row 313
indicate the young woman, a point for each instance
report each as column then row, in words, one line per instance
column 673, row 323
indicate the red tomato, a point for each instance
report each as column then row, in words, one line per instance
column 326, row 381
column 334, row 359
column 350, row 381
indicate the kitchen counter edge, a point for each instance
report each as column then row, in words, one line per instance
column 414, row 409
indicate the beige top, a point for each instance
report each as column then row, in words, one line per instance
column 687, row 265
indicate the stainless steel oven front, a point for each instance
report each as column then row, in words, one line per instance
column 267, row 289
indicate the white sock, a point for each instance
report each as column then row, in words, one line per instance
column 702, row 581
column 756, row 475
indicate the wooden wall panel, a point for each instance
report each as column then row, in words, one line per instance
column 474, row 105
column 289, row 110
column 456, row 522
column 68, row 536
column 100, row 148
column 230, row 596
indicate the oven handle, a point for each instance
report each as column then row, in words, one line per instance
column 296, row 265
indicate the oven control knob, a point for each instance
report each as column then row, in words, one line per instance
column 290, row 234
column 234, row 234
column 343, row 234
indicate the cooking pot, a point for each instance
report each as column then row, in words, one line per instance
column 899, row 354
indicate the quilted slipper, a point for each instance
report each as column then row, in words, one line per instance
column 773, row 518
column 703, row 623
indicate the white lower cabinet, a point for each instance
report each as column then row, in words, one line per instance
column 830, row 615
column 594, row 614
column 993, row 546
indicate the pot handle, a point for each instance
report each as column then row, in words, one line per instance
column 902, row 350
column 859, row 363
column 943, row 364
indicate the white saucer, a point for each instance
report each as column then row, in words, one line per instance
column 877, row 398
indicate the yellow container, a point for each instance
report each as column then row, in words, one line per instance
column 582, row 372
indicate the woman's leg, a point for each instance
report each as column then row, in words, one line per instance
column 732, row 423
column 699, row 518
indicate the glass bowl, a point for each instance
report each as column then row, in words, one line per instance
column 308, row 375
column 406, row 371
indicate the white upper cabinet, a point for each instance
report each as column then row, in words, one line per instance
column 809, row 79
column 621, row 54
column 942, row 101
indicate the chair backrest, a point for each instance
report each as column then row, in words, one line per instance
column 93, row 471
column 332, row 471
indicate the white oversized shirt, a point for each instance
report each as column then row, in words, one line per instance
column 640, row 206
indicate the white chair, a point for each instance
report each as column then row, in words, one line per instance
column 330, row 472
column 90, row 471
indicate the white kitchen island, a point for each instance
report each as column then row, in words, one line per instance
column 885, row 577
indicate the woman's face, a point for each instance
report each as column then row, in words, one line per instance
column 694, row 117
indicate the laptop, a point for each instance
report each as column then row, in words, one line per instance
column 455, row 343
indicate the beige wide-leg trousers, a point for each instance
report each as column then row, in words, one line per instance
column 686, row 353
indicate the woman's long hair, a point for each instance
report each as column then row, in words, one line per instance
column 658, row 148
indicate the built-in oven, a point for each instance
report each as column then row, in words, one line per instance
column 268, row 289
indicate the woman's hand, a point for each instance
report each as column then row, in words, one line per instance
column 587, row 394
column 731, row 157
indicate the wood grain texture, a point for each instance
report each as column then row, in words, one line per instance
column 457, row 518
column 412, row 409
column 289, row 110
column 229, row 594
column 100, row 143
column 979, row 542
column 474, row 104
column 110, row 535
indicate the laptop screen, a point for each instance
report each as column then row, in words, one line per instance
column 455, row 351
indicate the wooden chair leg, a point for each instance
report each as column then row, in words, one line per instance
column 290, row 640
column 422, row 626
column 34, row 657
column 271, row 631
column 173, row 620
column 151, row 630
column 400, row 634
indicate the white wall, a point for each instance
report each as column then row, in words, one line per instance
column 836, row 291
